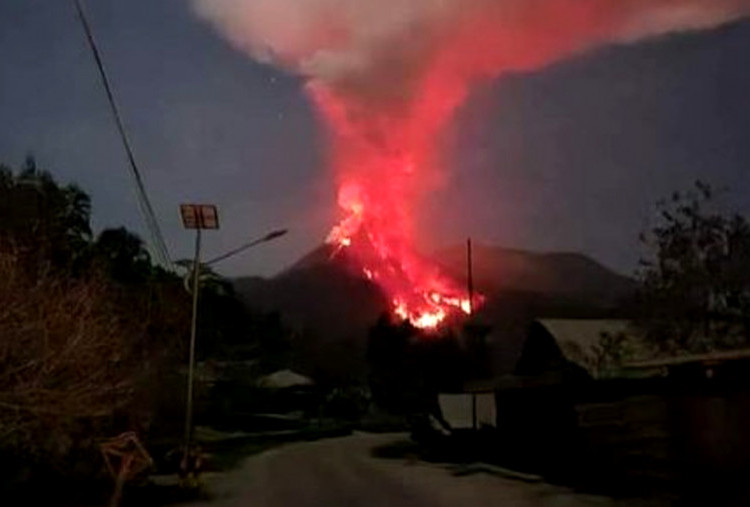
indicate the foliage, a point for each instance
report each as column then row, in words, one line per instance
column 93, row 336
column 696, row 283
column 86, row 325
column 610, row 352
column 229, row 330
column 64, row 356
column 408, row 369
column 122, row 255
column 46, row 222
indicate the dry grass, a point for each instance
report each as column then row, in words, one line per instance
column 65, row 356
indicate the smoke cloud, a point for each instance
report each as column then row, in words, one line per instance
column 387, row 75
column 373, row 47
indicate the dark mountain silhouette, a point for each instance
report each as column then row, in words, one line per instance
column 332, row 305
column 329, row 305
column 559, row 278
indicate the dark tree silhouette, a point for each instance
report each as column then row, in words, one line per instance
column 696, row 283
column 122, row 254
column 408, row 368
column 41, row 218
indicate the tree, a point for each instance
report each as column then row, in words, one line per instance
column 65, row 358
column 208, row 278
column 85, row 327
column 122, row 254
column 43, row 219
column 89, row 327
column 695, row 293
column 407, row 369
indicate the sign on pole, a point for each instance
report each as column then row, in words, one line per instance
column 199, row 216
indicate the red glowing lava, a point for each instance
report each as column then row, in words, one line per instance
column 384, row 166
column 418, row 292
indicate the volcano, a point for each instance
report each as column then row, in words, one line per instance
column 332, row 304
column 386, row 77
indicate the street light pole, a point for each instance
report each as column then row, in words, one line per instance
column 193, row 332
column 198, row 217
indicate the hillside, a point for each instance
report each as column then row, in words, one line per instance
column 553, row 276
column 333, row 306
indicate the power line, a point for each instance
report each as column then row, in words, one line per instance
column 152, row 224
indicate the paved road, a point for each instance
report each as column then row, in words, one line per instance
column 342, row 472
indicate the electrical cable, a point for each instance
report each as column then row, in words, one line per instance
column 152, row 224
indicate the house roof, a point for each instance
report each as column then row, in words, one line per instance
column 710, row 358
column 283, row 379
column 579, row 338
column 527, row 354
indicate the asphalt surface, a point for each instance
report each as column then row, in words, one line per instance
column 343, row 472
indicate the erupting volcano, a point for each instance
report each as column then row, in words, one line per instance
column 382, row 163
column 387, row 75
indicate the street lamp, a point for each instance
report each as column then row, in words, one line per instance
column 268, row 237
column 199, row 217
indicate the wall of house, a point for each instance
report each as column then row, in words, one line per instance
column 689, row 434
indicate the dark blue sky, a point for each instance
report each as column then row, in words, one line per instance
column 569, row 158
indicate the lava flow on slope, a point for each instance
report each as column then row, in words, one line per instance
column 384, row 166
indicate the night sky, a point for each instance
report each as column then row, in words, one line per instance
column 572, row 157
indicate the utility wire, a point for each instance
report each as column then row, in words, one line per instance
column 152, row 224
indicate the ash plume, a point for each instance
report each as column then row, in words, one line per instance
column 370, row 48
column 386, row 75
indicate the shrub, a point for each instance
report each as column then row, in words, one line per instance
column 68, row 362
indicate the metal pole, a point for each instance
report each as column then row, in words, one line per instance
column 470, row 276
column 193, row 331
column 474, row 411
column 268, row 237
column 235, row 251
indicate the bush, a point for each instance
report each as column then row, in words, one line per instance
column 68, row 363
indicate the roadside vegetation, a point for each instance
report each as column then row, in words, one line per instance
column 693, row 284
column 93, row 339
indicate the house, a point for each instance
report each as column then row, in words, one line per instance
column 529, row 400
column 676, row 420
column 546, row 353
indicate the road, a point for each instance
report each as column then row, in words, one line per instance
column 342, row 472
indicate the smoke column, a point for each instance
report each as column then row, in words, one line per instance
column 387, row 75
